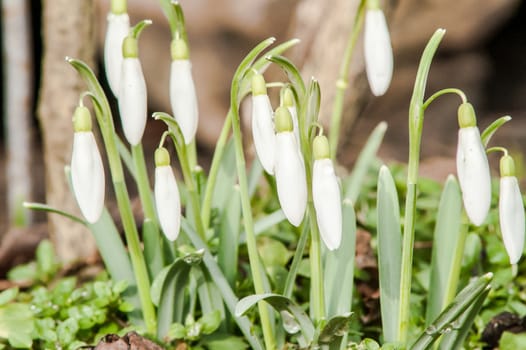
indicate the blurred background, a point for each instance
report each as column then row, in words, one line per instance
column 483, row 53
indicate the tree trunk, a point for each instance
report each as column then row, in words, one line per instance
column 67, row 31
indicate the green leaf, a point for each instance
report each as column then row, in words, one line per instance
column 339, row 267
column 23, row 273
column 512, row 341
column 273, row 252
column 367, row 156
column 389, row 253
column 229, row 231
column 226, row 177
column 313, row 104
column 336, row 327
column 176, row 331
column 292, row 72
column 280, row 303
column 47, row 264
column 448, row 247
column 296, row 262
column 210, row 321
column 8, row 295
column 50, row 209
column 225, row 342
column 16, row 324
column 492, row 128
column 153, row 247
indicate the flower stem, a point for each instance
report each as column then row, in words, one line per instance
column 443, row 92
column 342, row 82
column 143, row 184
column 317, row 290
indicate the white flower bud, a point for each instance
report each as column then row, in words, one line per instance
column 511, row 215
column 473, row 174
column 183, row 98
column 132, row 100
column 290, row 177
column 117, row 29
column 327, row 202
column 378, row 52
column 87, row 175
column 263, row 131
column 166, row 195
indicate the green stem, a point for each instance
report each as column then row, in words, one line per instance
column 214, row 169
column 317, row 290
column 443, row 92
column 416, row 119
column 143, row 183
column 454, row 274
column 342, row 82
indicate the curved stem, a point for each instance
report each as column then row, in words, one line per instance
column 443, row 92
column 341, row 83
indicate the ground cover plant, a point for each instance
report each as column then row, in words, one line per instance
column 262, row 256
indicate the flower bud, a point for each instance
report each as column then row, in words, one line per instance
column 378, row 51
column 262, row 124
column 117, row 29
column 511, row 211
column 289, row 170
column 326, row 195
column 182, row 90
column 87, row 171
column 166, row 194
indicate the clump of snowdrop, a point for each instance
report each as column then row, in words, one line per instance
column 166, row 193
column 472, row 167
column 117, row 29
column 183, row 97
column 377, row 49
column 132, row 93
column 289, row 169
column 326, row 194
column 263, row 124
column 511, row 210
column 87, row 171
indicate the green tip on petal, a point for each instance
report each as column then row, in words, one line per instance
column 81, row 119
column 259, row 86
column 288, row 98
column 179, row 49
column 507, row 166
column 283, row 120
column 130, row 47
column 466, row 115
column 118, row 7
column 320, row 147
column 162, row 157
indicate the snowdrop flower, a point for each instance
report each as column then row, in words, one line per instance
column 117, row 29
column 132, row 94
column 377, row 49
column 87, row 172
column 472, row 167
column 166, row 194
column 326, row 195
column 182, row 90
column 262, row 124
column 288, row 101
column 511, row 210
column 289, row 169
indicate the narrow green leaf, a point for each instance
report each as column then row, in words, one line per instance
column 365, row 159
column 339, row 267
column 296, row 262
column 226, row 177
column 229, row 230
column 292, row 72
column 173, row 126
column 50, row 209
column 389, row 253
column 153, row 247
column 448, row 243
column 47, row 263
column 313, row 103
column 280, row 303
column 126, row 157
column 492, row 128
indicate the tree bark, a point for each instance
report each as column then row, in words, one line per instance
column 67, row 31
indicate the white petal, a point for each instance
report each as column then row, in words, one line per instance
column 473, row 174
column 511, row 214
column 327, row 202
column 263, row 131
column 118, row 28
column 183, row 98
column 290, row 178
column 167, row 201
column 87, row 175
column 132, row 100
column 378, row 52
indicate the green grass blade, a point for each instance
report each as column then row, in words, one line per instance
column 389, row 253
column 367, row 156
column 339, row 267
column 448, row 243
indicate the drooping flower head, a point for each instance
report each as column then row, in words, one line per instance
column 183, row 97
column 288, row 101
column 117, row 29
column 87, row 171
column 472, row 167
column 167, row 200
column 262, row 124
column 377, row 49
column 326, row 194
column 132, row 93
column 511, row 210
column 289, row 169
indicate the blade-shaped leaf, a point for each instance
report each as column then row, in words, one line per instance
column 492, row 128
column 229, row 231
column 336, row 327
column 153, row 247
column 292, row 73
